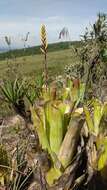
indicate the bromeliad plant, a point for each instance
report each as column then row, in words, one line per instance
column 14, row 171
column 35, row 89
column 14, row 92
column 97, row 144
column 58, row 124
column 56, row 118
column 21, row 175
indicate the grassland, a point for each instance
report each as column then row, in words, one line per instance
column 32, row 65
column 36, row 49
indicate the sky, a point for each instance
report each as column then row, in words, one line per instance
column 17, row 17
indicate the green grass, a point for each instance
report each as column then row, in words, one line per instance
column 36, row 49
column 30, row 66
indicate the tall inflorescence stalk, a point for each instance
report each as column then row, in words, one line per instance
column 8, row 41
column 43, row 48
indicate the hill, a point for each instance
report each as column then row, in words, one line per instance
column 36, row 50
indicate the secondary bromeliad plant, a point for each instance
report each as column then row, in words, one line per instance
column 96, row 120
column 14, row 92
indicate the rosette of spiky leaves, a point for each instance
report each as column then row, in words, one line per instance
column 14, row 92
column 20, row 176
column 51, row 118
column 34, row 89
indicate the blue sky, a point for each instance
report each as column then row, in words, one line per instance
column 17, row 17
